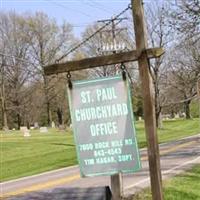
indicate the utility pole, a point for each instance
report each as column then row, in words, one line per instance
column 148, row 100
column 114, row 22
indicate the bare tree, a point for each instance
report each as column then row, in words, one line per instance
column 158, row 36
column 29, row 43
column 184, row 72
column 185, row 17
column 47, row 44
column 3, row 96
column 16, row 72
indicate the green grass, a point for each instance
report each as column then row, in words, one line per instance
column 172, row 130
column 43, row 152
column 185, row 186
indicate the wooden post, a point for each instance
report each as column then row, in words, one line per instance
column 116, row 186
column 142, row 54
column 148, row 100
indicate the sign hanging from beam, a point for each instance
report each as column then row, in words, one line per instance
column 142, row 55
column 103, row 124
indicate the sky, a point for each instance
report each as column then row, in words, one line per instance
column 79, row 13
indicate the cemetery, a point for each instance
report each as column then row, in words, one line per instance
column 58, row 148
column 111, row 110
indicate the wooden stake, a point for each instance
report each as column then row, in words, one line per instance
column 116, row 186
column 149, row 111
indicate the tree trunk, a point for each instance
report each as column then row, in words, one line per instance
column 5, row 121
column 60, row 116
column 3, row 105
column 187, row 109
column 157, row 118
column 159, row 123
column 46, row 93
column 18, row 121
column 48, row 114
column 4, row 114
column 157, row 107
column 27, row 124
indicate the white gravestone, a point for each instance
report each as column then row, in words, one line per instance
column 43, row 130
column 36, row 125
column 25, row 131
column 140, row 118
column 22, row 128
column 53, row 124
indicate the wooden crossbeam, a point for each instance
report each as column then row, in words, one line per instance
column 101, row 61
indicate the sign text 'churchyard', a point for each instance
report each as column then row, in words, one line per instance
column 102, row 119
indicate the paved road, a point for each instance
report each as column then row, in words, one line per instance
column 175, row 158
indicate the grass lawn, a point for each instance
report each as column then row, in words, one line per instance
column 42, row 152
column 185, row 186
column 172, row 130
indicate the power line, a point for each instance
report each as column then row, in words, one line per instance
column 77, row 46
column 97, row 31
column 93, row 5
column 69, row 8
column 80, row 25
column 102, row 6
column 114, row 34
column 113, row 30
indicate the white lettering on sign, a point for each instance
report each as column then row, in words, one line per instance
column 85, row 97
column 103, row 126
column 106, row 94
column 108, row 128
column 101, row 112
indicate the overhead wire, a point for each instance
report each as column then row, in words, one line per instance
column 69, row 8
column 92, row 35
column 80, row 44
column 80, row 25
column 93, row 5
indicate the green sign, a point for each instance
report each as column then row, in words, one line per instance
column 102, row 120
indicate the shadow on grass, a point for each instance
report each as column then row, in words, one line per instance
column 63, row 144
